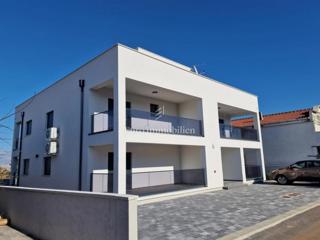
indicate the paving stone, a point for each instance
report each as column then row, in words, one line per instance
column 213, row 215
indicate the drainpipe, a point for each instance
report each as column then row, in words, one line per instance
column 20, row 148
column 81, row 85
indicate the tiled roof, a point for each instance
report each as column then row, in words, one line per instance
column 302, row 114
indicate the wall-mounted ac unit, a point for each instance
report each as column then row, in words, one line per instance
column 52, row 133
column 52, row 148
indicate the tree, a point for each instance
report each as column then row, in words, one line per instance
column 4, row 173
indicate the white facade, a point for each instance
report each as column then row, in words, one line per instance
column 163, row 150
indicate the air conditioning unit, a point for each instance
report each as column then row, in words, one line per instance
column 52, row 148
column 52, row 133
column 316, row 118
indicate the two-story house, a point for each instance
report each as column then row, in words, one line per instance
column 130, row 121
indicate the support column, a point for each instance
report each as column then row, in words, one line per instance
column 207, row 159
column 258, row 127
column 243, row 165
column 119, row 130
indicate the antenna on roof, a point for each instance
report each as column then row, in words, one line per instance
column 195, row 69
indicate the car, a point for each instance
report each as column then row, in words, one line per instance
column 307, row 170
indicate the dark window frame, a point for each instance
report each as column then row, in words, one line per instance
column 28, row 127
column 26, row 166
column 110, row 161
column 50, row 119
column 129, row 161
column 154, row 108
column 47, row 166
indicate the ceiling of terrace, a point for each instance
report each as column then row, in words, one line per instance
column 148, row 90
column 233, row 111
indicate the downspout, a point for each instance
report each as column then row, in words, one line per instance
column 20, row 148
column 81, row 85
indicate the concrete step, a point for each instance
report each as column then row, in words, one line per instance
column 238, row 184
column 235, row 185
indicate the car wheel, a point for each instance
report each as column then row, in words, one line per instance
column 283, row 180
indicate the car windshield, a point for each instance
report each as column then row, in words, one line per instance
column 298, row 165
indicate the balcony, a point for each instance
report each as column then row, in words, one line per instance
column 143, row 121
column 138, row 120
column 101, row 122
column 228, row 131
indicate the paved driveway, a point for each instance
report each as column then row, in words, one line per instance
column 8, row 233
column 213, row 215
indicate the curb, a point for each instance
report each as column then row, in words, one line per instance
column 271, row 222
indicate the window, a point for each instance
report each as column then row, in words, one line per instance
column 128, row 160
column 47, row 166
column 26, row 167
column 110, row 104
column 110, row 161
column 154, row 108
column 299, row 165
column 28, row 127
column 310, row 164
column 50, row 119
column 316, row 164
column 128, row 115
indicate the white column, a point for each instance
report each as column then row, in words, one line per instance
column 119, row 130
column 207, row 159
column 258, row 127
column 243, row 165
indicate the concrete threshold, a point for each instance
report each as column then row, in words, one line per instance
column 271, row 222
column 175, row 194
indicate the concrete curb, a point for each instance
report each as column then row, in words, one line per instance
column 173, row 195
column 271, row 222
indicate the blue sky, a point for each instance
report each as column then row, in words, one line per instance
column 270, row 48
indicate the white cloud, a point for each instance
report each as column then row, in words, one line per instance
column 5, row 158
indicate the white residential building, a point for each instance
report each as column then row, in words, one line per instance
column 135, row 121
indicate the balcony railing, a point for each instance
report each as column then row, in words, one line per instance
column 138, row 120
column 102, row 122
column 228, row 131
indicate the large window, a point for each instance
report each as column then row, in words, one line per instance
column 50, row 119
column 129, row 161
column 28, row 127
column 26, row 163
column 111, row 161
column 47, row 166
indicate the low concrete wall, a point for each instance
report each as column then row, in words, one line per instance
column 54, row 214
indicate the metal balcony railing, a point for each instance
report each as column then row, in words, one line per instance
column 228, row 131
column 102, row 122
column 138, row 120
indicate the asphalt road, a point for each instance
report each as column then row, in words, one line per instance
column 305, row 226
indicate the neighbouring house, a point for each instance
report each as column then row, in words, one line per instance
column 130, row 119
column 288, row 137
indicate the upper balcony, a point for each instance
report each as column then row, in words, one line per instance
column 230, row 127
column 137, row 120
column 149, row 109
